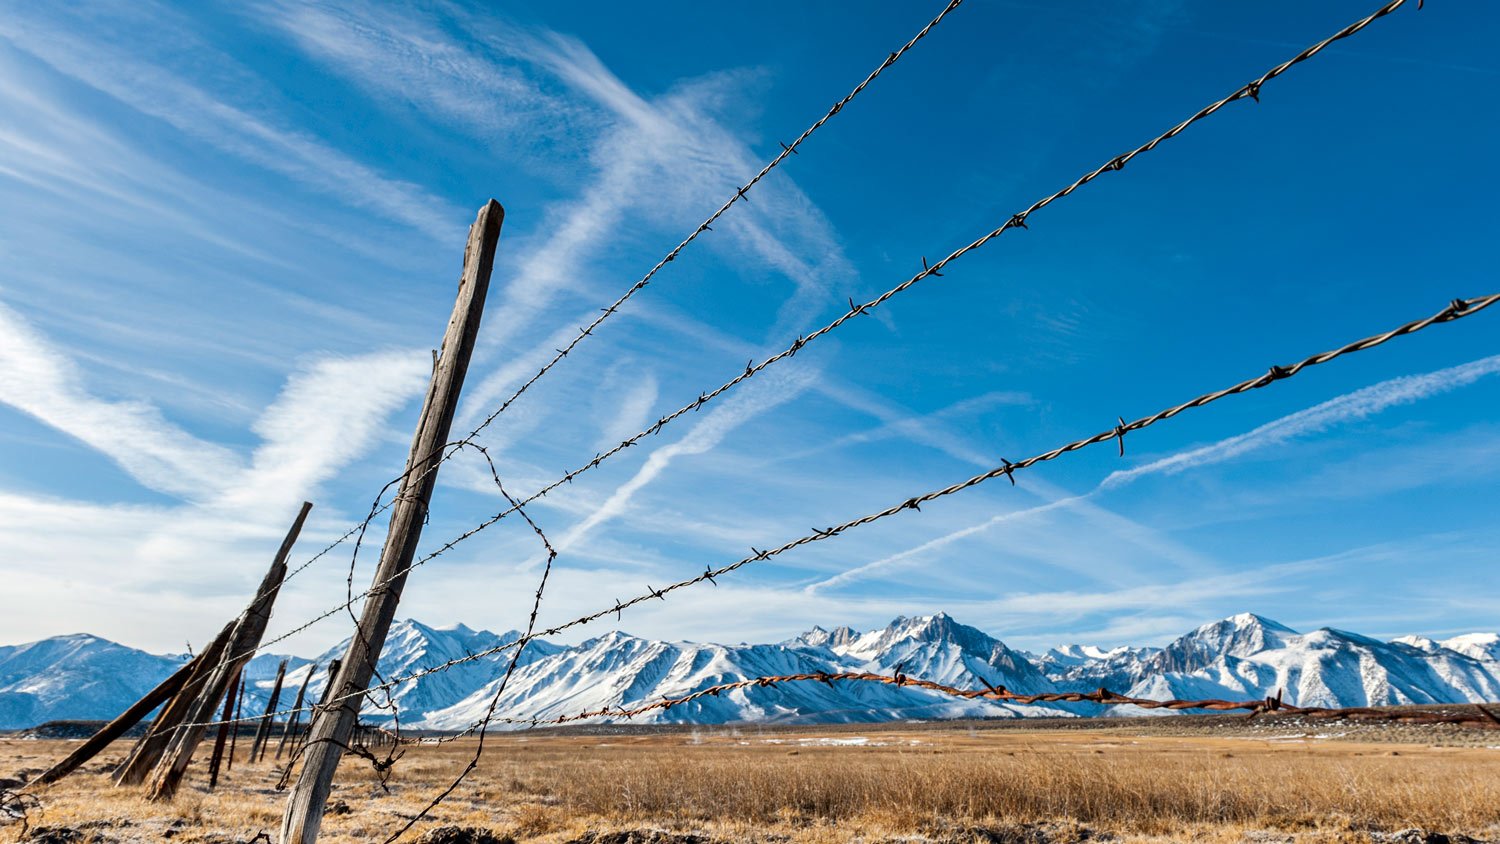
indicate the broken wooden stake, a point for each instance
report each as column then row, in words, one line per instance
column 148, row 750
column 263, row 732
column 165, row 778
column 293, row 722
column 218, row 755
column 122, row 723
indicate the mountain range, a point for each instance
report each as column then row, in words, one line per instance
column 1245, row 657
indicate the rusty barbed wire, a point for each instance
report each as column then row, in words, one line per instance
column 1455, row 310
column 1250, row 90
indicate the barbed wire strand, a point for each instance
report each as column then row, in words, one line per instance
column 510, row 669
column 1250, row 90
column 1455, row 310
column 384, row 766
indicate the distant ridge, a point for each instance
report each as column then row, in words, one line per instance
column 1244, row 656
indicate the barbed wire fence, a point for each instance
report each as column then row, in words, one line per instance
column 1468, row 715
column 1019, row 220
column 1250, row 90
column 741, row 194
column 1455, row 310
column 1477, row 716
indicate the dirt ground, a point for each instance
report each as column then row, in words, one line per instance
column 1211, row 779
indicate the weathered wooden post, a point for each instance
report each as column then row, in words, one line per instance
column 331, row 728
column 239, row 711
column 217, row 758
column 263, row 732
column 295, row 721
column 148, row 750
column 251, row 626
column 123, row 722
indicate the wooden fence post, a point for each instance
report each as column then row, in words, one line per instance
column 293, row 722
column 263, row 732
column 148, row 750
column 217, row 758
column 331, row 728
column 239, row 710
column 248, row 630
column 123, row 722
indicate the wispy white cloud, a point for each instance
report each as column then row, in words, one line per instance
column 755, row 399
column 1359, row 404
column 326, row 415
column 38, row 378
column 927, row 429
column 659, row 158
column 212, row 117
column 231, row 509
column 627, row 396
column 410, row 58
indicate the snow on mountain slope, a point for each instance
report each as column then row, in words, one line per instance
column 262, row 667
column 937, row 648
column 74, row 677
column 1244, row 656
column 1237, row 636
column 1247, row 657
column 618, row 669
column 411, row 646
column 1480, row 646
column 1083, row 668
column 1421, row 643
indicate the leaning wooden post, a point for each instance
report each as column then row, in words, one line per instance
column 167, row 775
column 239, row 711
column 296, row 719
column 148, row 750
column 331, row 728
column 217, row 758
column 263, row 732
column 333, row 674
column 123, row 722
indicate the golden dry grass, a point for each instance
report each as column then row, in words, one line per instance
column 799, row 785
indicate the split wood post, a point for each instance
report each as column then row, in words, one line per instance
column 239, row 712
column 251, row 626
column 296, row 718
column 218, row 755
column 148, row 750
column 333, row 674
column 331, row 728
column 123, row 722
column 263, row 732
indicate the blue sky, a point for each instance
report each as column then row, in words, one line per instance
column 229, row 236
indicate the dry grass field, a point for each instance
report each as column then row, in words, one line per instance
column 1123, row 782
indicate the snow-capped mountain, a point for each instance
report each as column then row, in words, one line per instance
column 1245, row 656
column 1084, row 668
column 618, row 669
column 410, row 647
column 937, row 648
column 75, row 677
column 1480, row 646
